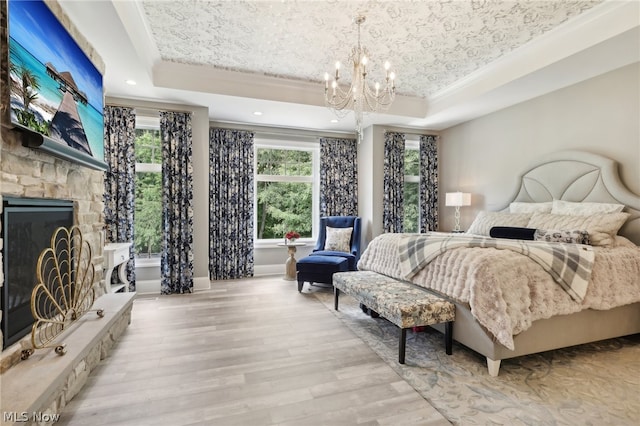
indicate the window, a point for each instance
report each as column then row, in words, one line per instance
column 286, row 189
column 411, row 220
column 148, row 191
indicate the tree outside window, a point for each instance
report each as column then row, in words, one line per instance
column 148, row 193
column 284, row 192
column 411, row 219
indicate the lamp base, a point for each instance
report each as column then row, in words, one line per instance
column 457, row 217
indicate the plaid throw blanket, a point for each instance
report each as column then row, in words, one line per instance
column 569, row 264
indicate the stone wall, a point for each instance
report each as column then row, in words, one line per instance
column 25, row 172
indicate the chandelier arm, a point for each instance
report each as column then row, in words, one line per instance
column 377, row 102
column 338, row 102
column 341, row 99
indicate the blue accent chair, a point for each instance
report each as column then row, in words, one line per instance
column 321, row 264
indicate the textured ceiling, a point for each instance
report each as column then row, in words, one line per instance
column 431, row 44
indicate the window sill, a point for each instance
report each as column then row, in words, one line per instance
column 142, row 262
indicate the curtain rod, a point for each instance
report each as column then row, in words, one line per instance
column 146, row 111
column 282, row 131
column 429, row 133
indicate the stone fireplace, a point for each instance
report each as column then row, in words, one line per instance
column 46, row 381
column 28, row 173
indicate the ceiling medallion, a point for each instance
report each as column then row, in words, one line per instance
column 361, row 96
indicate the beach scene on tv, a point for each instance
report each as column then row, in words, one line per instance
column 55, row 89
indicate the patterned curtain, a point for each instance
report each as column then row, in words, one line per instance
column 231, row 204
column 338, row 177
column 119, row 179
column 428, row 183
column 176, row 264
column 393, row 210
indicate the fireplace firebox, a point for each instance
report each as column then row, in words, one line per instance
column 27, row 227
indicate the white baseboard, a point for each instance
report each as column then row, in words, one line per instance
column 148, row 287
column 201, row 283
column 262, row 270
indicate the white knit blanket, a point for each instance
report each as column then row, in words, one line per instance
column 569, row 264
column 506, row 291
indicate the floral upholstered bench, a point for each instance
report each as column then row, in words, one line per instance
column 402, row 303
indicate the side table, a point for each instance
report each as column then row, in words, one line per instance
column 290, row 264
column 116, row 254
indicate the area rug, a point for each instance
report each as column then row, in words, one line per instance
column 592, row 384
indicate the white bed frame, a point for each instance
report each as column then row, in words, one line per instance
column 571, row 176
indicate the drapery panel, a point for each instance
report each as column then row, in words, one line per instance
column 393, row 209
column 231, row 176
column 428, row 183
column 338, row 177
column 119, row 180
column 176, row 264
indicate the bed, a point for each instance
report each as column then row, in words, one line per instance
column 572, row 176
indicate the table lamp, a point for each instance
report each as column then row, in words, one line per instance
column 457, row 199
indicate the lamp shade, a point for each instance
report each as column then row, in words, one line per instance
column 457, row 199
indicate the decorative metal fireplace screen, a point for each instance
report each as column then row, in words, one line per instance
column 64, row 291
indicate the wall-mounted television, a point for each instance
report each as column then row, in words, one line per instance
column 56, row 92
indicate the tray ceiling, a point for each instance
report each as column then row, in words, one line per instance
column 431, row 44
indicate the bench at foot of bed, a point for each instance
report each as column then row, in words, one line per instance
column 399, row 302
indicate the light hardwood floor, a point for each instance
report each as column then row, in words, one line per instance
column 246, row 352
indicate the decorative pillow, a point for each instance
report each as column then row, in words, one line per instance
column 561, row 236
column 338, row 239
column 512, row 232
column 601, row 227
column 484, row 221
column 584, row 209
column 620, row 241
column 518, row 207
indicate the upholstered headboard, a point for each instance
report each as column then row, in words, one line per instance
column 580, row 176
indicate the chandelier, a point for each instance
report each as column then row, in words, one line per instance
column 361, row 96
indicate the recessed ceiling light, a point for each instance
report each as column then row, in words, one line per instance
column 131, row 82
column 257, row 113
column 335, row 120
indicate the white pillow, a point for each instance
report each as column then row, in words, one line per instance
column 519, row 207
column 602, row 228
column 484, row 221
column 584, row 209
column 338, row 239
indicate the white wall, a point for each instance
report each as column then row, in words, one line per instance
column 485, row 155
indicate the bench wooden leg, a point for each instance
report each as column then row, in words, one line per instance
column 336, row 295
column 402, row 345
column 448, row 337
